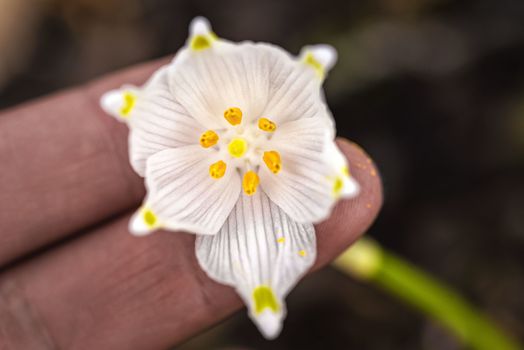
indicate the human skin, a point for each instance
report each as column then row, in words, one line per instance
column 72, row 276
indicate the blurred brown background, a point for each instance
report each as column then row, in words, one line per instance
column 433, row 89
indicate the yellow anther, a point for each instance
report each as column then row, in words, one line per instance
column 311, row 61
column 202, row 42
column 208, row 139
column 149, row 217
column 281, row 240
column 250, row 182
column 264, row 298
column 129, row 103
column 345, row 171
column 272, row 160
column 266, row 125
column 237, row 147
column 233, row 115
column 217, row 170
column 302, row 253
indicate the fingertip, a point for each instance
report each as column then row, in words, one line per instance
column 366, row 174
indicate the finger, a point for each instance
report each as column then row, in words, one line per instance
column 110, row 290
column 65, row 165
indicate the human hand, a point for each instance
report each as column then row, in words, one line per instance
column 66, row 178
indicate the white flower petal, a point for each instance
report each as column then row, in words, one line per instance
column 302, row 188
column 183, row 195
column 261, row 252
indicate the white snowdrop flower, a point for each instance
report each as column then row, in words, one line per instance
column 236, row 144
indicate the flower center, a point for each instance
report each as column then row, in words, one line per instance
column 237, row 147
column 242, row 140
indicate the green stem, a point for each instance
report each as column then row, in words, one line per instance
column 368, row 261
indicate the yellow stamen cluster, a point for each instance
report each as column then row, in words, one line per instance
column 266, row 125
column 218, row 169
column 129, row 103
column 238, row 147
column 250, row 182
column 233, row 115
column 272, row 160
column 208, row 139
column 264, row 298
